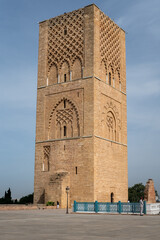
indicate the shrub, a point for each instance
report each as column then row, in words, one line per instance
column 50, row 204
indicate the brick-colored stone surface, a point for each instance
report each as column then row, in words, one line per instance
column 149, row 192
column 4, row 207
column 81, row 125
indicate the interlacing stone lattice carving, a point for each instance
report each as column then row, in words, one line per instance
column 67, row 46
column 46, row 151
column 110, row 120
column 108, row 117
column 73, row 107
column 64, row 116
column 109, row 42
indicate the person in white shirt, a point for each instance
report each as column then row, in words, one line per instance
column 141, row 206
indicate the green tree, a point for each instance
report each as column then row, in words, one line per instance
column 26, row 199
column 7, row 199
column 156, row 193
column 136, row 192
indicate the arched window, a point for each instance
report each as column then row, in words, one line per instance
column 64, row 73
column 65, row 77
column 65, row 131
column 110, row 79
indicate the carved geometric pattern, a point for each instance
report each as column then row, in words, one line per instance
column 68, row 46
column 46, row 151
column 109, row 42
column 109, row 107
column 64, row 116
column 73, row 107
column 110, row 120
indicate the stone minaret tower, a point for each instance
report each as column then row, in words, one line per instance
column 81, row 125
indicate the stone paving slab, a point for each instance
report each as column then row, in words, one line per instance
column 56, row 225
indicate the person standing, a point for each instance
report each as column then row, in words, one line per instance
column 141, row 206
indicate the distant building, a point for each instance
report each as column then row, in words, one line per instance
column 81, row 126
column 149, row 192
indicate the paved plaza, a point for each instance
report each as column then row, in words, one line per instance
column 55, row 224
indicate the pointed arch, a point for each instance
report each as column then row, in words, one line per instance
column 53, row 74
column 110, row 75
column 64, row 115
column 111, row 124
column 103, row 71
column 77, row 69
column 117, row 79
column 65, row 71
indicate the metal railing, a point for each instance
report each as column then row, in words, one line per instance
column 108, row 207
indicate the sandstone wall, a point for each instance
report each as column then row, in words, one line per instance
column 81, row 124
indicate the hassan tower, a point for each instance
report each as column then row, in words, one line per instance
column 81, row 122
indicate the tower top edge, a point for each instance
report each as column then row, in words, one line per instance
column 70, row 12
column 90, row 5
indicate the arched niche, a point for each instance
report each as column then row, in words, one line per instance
column 110, row 75
column 65, row 72
column 77, row 69
column 64, row 120
column 103, row 71
column 111, row 126
column 117, row 79
column 53, row 75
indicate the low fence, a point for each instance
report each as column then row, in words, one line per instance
column 107, row 207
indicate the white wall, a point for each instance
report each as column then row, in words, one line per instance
column 153, row 208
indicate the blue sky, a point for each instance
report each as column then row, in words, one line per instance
column 18, row 76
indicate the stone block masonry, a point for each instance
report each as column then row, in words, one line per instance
column 81, row 123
